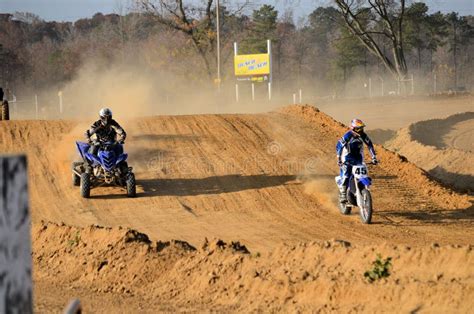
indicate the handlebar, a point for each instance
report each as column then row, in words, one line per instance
column 367, row 163
column 107, row 143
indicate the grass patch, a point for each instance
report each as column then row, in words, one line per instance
column 380, row 269
column 75, row 240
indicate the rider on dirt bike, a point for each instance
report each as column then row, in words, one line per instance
column 105, row 129
column 350, row 151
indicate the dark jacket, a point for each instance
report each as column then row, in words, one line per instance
column 1, row 94
column 107, row 133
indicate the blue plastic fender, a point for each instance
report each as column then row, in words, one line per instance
column 366, row 181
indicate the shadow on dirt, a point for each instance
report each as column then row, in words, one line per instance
column 310, row 177
column 463, row 183
column 423, row 131
column 430, row 216
column 380, row 136
column 210, row 185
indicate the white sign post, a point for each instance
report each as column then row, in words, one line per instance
column 15, row 244
column 36, row 106
column 269, row 50
column 60, row 95
column 236, row 50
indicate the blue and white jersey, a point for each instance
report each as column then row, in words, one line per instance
column 350, row 148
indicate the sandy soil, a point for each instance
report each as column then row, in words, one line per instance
column 266, row 180
column 397, row 112
column 443, row 147
column 123, row 269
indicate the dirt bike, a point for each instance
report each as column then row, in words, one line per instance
column 5, row 112
column 108, row 168
column 358, row 192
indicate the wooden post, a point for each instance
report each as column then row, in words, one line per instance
column 253, row 91
column 15, row 256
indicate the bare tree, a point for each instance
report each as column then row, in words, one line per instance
column 375, row 20
column 196, row 22
column 192, row 22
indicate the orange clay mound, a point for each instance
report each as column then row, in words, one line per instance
column 323, row 275
column 442, row 147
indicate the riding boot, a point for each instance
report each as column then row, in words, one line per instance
column 343, row 194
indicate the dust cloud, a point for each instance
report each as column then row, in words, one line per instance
column 318, row 182
column 136, row 90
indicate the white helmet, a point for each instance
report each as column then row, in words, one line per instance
column 105, row 115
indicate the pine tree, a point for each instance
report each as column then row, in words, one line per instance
column 264, row 26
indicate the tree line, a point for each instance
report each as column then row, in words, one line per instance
column 330, row 45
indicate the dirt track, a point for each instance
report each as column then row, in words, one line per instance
column 236, row 177
column 262, row 179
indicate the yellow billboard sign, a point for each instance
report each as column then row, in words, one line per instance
column 252, row 65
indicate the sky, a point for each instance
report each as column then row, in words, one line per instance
column 71, row 10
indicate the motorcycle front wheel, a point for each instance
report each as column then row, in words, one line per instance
column 366, row 207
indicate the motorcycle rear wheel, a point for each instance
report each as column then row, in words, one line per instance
column 345, row 209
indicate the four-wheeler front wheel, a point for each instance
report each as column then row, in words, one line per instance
column 85, row 185
column 131, row 185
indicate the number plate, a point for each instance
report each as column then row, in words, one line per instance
column 359, row 171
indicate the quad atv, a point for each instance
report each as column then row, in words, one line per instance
column 108, row 168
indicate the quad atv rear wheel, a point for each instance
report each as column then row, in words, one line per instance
column 85, row 185
column 76, row 180
column 131, row 185
column 5, row 111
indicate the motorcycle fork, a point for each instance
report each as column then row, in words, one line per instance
column 358, row 193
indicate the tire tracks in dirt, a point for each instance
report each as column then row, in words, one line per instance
column 213, row 176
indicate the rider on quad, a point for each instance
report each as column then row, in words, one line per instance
column 106, row 130
column 350, row 151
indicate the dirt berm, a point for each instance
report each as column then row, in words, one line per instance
column 443, row 147
column 266, row 180
column 133, row 274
